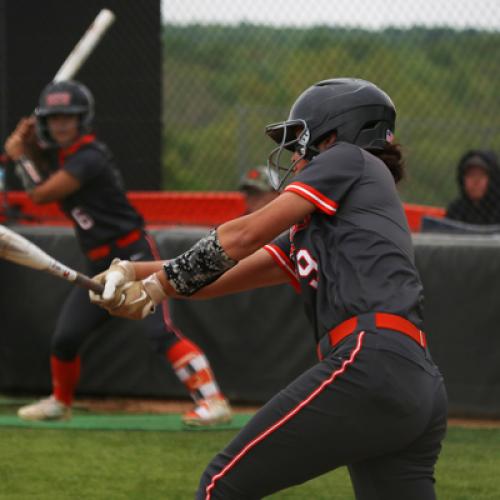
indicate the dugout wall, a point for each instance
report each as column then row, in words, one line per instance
column 257, row 341
column 124, row 74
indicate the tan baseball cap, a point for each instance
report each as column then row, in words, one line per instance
column 260, row 179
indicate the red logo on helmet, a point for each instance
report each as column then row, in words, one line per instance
column 253, row 174
column 58, row 99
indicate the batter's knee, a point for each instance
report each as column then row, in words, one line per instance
column 158, row 334
column 205, row 480
column 215, row 484
column 65, row 345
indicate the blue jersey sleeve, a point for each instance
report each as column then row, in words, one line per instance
column 329, row 176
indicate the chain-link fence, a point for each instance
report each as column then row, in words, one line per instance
column 230, row 68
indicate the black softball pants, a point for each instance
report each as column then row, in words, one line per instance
column 365, row 406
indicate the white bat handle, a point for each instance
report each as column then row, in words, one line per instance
column 85, row 46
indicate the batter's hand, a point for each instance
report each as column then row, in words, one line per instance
column 16, row 144
column 137, row 299
column 119, row 273
column 133, row 303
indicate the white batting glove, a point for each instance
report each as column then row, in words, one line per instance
column 119, row 273
column 137, row 299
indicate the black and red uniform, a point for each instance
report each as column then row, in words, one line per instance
column 375, row 402
column 107, row 226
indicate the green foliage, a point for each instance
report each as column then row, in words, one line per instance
column 223, row 84
column 97, row 465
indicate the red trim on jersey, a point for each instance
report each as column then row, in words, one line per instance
column 282, row 259
column 164, row 304
column 323, row 203
column 287, row 417
column 63, row 153
column 102, row 251
column 129, row 238
column 99, row 252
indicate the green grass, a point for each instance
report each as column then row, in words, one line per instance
column 71, row 464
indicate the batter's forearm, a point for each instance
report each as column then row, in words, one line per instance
column 144, row 269
column 256, row 271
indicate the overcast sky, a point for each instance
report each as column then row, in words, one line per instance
column 372, row 14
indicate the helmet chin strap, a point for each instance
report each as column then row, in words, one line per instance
column 311, row 152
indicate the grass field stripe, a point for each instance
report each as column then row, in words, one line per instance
column 288, row 416
column 82, row 420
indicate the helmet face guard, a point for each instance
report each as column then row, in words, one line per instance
column 292, row 135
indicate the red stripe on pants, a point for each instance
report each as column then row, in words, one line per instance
column 287, row 417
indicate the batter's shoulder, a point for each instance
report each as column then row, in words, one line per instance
column 344, row 151
column 95, row 154
column 96, row 149
column 343, row 155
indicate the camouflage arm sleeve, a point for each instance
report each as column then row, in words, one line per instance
column 203, row 263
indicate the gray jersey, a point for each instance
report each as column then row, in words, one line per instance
column 354, row 254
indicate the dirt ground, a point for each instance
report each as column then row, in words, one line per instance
column 145, row 406
column 174, row 406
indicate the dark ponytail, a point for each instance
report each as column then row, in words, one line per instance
column 392, row 156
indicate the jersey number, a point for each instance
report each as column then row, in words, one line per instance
column 84, row 220
column 307, row 266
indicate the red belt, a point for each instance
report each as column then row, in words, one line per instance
column 384, row 321
column 122, row 242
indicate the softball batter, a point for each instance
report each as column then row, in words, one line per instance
column 375, row 402
column 78, row 172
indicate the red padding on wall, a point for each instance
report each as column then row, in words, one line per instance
column 157, row 208
column 414, row 214
column 172, row 208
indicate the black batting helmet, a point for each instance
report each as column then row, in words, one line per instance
column 357, row 110
column 68, row 98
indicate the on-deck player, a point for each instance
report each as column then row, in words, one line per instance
column 375, row 402
column 258, row 186
column 80, row 175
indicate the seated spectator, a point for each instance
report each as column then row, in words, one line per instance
column 478, row 177
column 258, row 187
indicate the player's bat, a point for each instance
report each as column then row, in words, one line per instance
column 15, row 248
column 85, row 46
